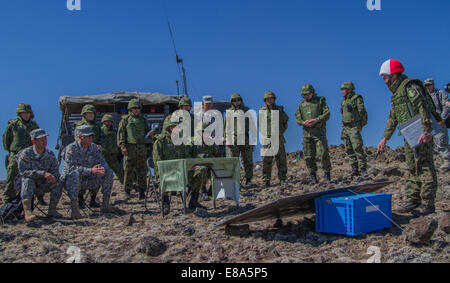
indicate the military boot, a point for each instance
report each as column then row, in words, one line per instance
column 81, row 203
column 29, row 216
column 248, row 182
column 327, row 176
column 424, row 210
column 41, row 201
column 166, row 204
column 127, row 195
column 313, row 179
column 355, row 172
column 106, row 206
column 75, row 210
column 267, row 184
column 52, row 213
column 409, row 206
column 141, row 194
column 93, row 202
column 193, row 202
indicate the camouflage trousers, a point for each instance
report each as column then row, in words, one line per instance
column 12, row 172
column 422, row 179
column 441, row 142
column 198, row 176
column 313, row 146
column 246, row 151
column 39, row 187
column 354, row 146
column 281, row 161
column 113, row 163
column 135, row 161
column 77, row 184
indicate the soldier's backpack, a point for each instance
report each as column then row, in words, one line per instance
column 12, row 209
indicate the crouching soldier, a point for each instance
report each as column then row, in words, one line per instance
column 84, row 167
column 164, row 149
column 39, row 171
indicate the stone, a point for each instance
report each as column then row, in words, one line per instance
column 392, row 171
column 126, row 220
column 151, row 246
column 421, row 230
column 238, row 230
column 444, row 223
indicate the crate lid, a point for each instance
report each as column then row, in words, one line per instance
column 360, row 197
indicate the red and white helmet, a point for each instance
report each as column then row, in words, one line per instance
column 390, row 67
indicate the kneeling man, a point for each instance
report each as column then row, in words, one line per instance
column 84, row 167
column 39, row 171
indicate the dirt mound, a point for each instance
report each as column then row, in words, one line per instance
column 144, row 236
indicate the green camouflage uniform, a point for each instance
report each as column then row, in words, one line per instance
column 131, row 135
column 314, row 138
column 246, row 151
column 16, row 138
column 110, row 149
column 184, row 101
column 96, row 127
column 164, row 149
column 354, row 118
column 408, row 100
column 280, row 158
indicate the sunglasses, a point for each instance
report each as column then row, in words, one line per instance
column 236, row 100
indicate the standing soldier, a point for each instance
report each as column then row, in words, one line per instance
column 39, row 171
column 409, row 99
column 110, row 149
column 280, row 158
column 245, row 150
column 88, row 114
column 133, row 129
column 85, row 168
column 440, row 99
column 354, row 118
column 185, row 104
column 15, row 138
column 313, row 114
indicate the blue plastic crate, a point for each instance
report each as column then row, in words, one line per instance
column 350, row 214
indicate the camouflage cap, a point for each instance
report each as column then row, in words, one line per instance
column 184, row 101
column 38, row 134
column 107, row 117
column 235, row 96
column 84, row 131
column 348, row 85
column 269, row 94
column 134, row 103
column 307, row 88
column 168, row 123
column 207, row 99
column 88, row 109
column 24, row 108
column 429, row 81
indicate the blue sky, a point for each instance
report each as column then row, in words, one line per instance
column 245, row 46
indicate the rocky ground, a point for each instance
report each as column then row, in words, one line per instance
column 144, row 236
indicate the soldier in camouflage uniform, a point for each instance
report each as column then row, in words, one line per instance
column 164, row 149
column 133, row 129
column 440, row 99
column 280, row 158
column 354, row 118
column 313, row 114
column 409, row 98
column 110, row 148
column 39, row 172
column 244, row 151
column 185, row 104
column 85, row 167
column 88, row 114
column 16, row 138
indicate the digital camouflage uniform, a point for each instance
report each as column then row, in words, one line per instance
column 244, row 151
column 314, row 138
column 408, row 100
column 440, row 98
column 32, row 168
column 77, row 171
column 131, row 135
column 354, row 118
column 110, row 149
column 96, row 127
column 280, row 157
column 16, row 138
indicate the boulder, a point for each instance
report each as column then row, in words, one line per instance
column 151, row 246
column 421, row 230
